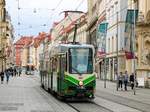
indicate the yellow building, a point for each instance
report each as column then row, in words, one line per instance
column 3, row 28
column 92, row 21
column 143, row 42
column 24, row 56
column 9, row 43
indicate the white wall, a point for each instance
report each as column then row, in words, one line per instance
column 111, row 14
column 63, row 24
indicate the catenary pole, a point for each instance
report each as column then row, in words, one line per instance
column 117, row 40
column 134, row 25
column 105, row 36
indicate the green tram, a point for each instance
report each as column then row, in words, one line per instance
column 69, row 72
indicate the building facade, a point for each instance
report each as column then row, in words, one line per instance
column 116, row 12
column 81, row 36
column 92, row 21
column 111, row 35
column 9, row 43
column 119, row 47
column 60, row 29
column 5, row 38
column 21, row 52
column 143, row 42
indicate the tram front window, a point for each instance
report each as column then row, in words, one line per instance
column 80, row 60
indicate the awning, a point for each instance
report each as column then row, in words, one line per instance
column 101, row 38
column 130, row 18
column 103, row 27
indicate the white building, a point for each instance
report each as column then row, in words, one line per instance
column 59, row 29
column 81, row 35
column 116, row 11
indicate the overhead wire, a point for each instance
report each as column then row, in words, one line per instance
column 19, row 8
column 51, row 16
column 79, row 5
column 59, row 3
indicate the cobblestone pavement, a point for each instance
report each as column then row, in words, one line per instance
column 23, row 94
column 122, row 100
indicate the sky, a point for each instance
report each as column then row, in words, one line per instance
column 34, row 16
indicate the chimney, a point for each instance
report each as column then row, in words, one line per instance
column 66, row 14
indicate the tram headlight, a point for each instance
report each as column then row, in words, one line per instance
column 80, row 83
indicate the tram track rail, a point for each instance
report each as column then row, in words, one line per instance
column 88, row 106
column 138, row 105
column 131, row 103
column 73, row 107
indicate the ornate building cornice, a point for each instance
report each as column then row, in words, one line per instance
column 143, row 33
column 148, row 17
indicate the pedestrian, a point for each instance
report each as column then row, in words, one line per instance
column 8, row 73
column 120, row 80
column 11, row 72
column 132, row 80
column 15, row 71
column 19, row 71
column 125, row 80
column 2, row 77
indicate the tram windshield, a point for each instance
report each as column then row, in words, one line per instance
column 80, row 60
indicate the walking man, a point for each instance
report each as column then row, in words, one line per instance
column 2, row 77
column 7, row 75
column 19, row 71
column 132, row 80
column 125, row 80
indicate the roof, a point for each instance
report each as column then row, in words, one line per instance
column 40, row 38
column 24, row 41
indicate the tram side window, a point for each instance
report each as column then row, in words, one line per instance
column 50, row 65
column 47, row 66
column 64, row 64
column 54, row 65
